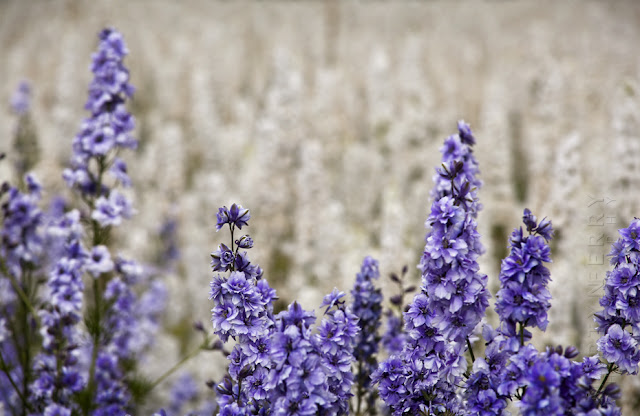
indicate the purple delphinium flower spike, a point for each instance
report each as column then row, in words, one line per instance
column 109, row 126
column 297, row 381
column 242, row 310
column 367, row 306
column 619, row 320
column 453, row 295
column 334, row 343
column 20, row 239
column 58, row 374
column 523, row 300
column 458, row 148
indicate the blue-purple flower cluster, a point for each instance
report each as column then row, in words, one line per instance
column 524, row 300
column 619, row 320
column 452, row 299
column 107, row 130
column 73, row 371
column 278, row 365
column 58, row 372
column 67, row 349
column 367, row 306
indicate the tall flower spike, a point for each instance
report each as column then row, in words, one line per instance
column 109, row 126
column 58, row 373
column 334, row 343
column 619, row 320
column 523, row 300
column 367, row 306
column 453, row 295
column 242, row 310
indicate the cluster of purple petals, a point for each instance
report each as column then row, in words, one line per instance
column 523, row 300
column 459, row 148
column 453, row 296
column 367, row 306
column 21, row 243
column 393, row 338
column 21, row 99
column 334, row 342
column 57, row 370
column 619, row 320
column 105, row 131
column 297, row 380
column 129, row 327
column 21, row 249
column 236, row 216
column 548, row 383
column 112, row 396
column 243, row 310
column 556, row 385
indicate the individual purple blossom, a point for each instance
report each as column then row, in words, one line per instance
column 99, row 261
column 119, row 171
column 236, row 216
column 222, row 259
column 619, row 347
column 245, row 242
column 111, row 210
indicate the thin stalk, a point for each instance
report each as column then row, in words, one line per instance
column 359, row 392
column 25, row 403
column 473, row 357
column 16, row 286
column 611, row 368
column 98, row 238
column 175, row 367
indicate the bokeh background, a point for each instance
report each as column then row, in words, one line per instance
column 325, row 118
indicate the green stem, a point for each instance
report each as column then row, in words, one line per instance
column 473, row 357
column 96, row 339
column 98, row 238
column 521, row 334
column 6, row 371
column 175, row 367
column 611, row 368
column 359, row 392
column 23, row 296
